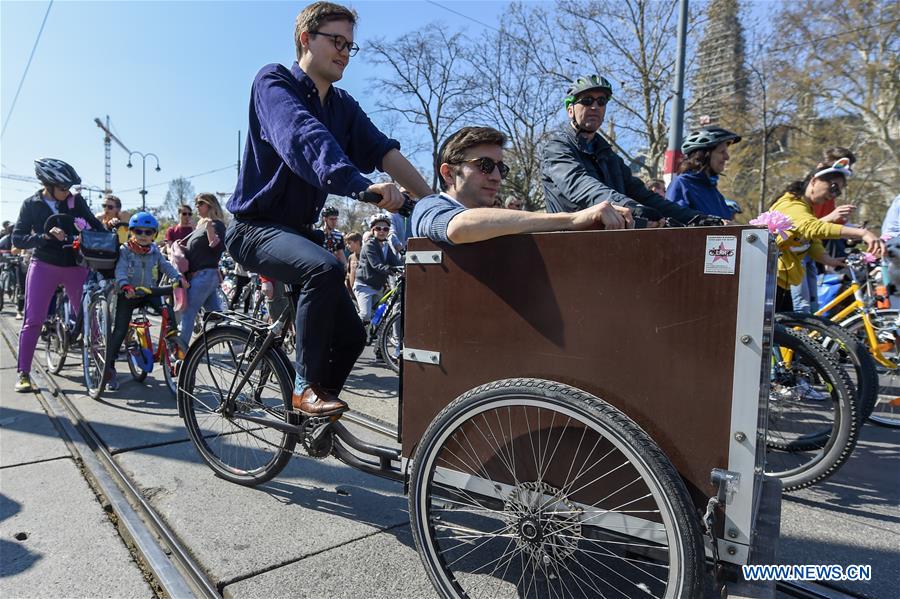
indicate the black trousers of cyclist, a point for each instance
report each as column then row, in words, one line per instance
column 124, row 311
column 330, row 336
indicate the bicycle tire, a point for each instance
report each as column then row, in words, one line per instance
column 168, row 364
column 132, row 344
column 93, row 349
column 389, row 343
column 847, row 350
column 244, row 454
column 492, row 498
column 4, row 290
column 791, row 406
column 886, row 411
column 56, row 346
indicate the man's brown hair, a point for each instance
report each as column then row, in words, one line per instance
column 317, row 14
column 353, row 237
column 114, row 199
column 453, row 150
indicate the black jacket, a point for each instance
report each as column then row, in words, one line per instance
column 374, row 269
column 29, row 230
column 575, row 178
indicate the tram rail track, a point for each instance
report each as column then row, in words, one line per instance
column 174, row 572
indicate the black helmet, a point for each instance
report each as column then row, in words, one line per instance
column 330, row 211
column 708, row 138
column 51, row 171
column 585, row 83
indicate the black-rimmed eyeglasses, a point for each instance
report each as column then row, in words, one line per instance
column 340, row 42
column 487, row 165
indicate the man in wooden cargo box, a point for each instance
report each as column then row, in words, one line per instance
column 471, row 168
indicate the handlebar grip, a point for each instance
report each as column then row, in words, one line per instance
column 153, row 291
column 373, row 198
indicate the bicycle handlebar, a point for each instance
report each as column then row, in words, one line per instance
column 153, row 291
column 373, row 198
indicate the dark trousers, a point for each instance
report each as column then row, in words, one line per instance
column 783, row 300
column 330, row 336
column 124, row 310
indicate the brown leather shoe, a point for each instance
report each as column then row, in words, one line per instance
column 316, row 401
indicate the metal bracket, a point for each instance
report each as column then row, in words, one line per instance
column 426, row 257
column 727, row 482
column 421, row 355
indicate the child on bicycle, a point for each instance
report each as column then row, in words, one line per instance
column 134, row 269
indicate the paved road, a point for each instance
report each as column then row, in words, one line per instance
column 320, row 528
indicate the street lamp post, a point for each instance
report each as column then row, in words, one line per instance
column 144, row 174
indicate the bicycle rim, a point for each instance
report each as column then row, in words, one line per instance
column 498, row 512
column 236, row 449
column 93, row 352
column 886, row 410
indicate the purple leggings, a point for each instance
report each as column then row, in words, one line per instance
column 40, row 285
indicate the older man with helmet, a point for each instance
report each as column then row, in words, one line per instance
column 580, row 169
column 377, row 261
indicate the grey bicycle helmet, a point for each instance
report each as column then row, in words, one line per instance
column 586, row 83
column 382, row 217
column 708, row 138
column 55, row 172
column 330, row 211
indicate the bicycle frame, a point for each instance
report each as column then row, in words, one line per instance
column 863, row 305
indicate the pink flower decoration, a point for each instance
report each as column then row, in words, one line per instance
column 887, row 237
column 870, row 258
column 776, row 222
column 81, row 224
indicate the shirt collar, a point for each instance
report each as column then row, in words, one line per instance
column 306, row 82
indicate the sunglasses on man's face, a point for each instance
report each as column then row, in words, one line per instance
column 109, row 206
column 381, row 228
column 588, row 101
column 487, row 165
column 144, row 232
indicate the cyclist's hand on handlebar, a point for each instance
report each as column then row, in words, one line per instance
column 128, row 290
column 185, row 284
column 874, row 244
column 391, row 197
column 58, row 233
column 603, row 215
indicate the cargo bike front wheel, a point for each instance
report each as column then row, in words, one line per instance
column 531, row 488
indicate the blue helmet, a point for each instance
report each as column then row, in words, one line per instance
column 143, row 219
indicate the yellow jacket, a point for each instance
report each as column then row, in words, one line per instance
column 804, row 237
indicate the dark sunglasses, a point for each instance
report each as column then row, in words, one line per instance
column 835, row 189
column 147, row 232
column 487, row 166
column 186, row 213
column 382, row 228
column 340, row 42
column 110, row 206
column 588, row 101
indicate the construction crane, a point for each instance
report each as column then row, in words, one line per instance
column 109, row 137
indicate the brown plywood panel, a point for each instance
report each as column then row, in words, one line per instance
column 628, row 316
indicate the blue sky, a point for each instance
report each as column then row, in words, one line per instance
column 174, row 77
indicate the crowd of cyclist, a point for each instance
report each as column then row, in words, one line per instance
column 308, row 139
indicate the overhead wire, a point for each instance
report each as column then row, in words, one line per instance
column 216, row 170
column 27, row 66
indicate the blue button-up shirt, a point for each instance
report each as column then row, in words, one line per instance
column 299, row 150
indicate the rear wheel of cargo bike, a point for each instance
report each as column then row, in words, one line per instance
column 530, row 488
